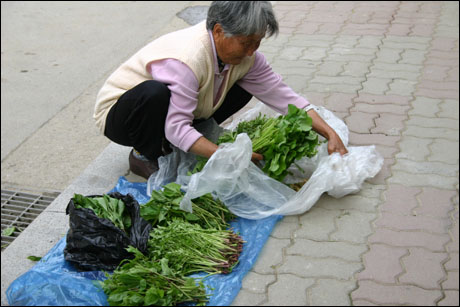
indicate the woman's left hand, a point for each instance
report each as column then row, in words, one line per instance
column 335, row 144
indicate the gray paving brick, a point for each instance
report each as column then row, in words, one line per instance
column 270, row 256
column 414, row 42
column 302, row 40
column 444, row 151
column 297, row 83
column 360, row 122
column 418, row 180
column 248, row 298
column 284, row 230
column 388, row 74
column 346, row 41
column 432, row 133
column 401, row 87
column 380, row 108
column 416, row 57
column 372, row 42
column 257, row 283
column 291, row 53
column 330, row 68
column 289, row 290
column 425, row 106
column 414, row 148
column 333, row 88
column 313, row 54
column 389, row 124
column 316, row 224
column 349, row 202
column 321, row 268
column 449, row 109
column 387, row 55
column 351, row 57
column 330, row 292
column 433, row 123
column 397, row 67
column 423, row 167
column 355, row 69
column 314, row 249
column 376, row 86
column 353, row 226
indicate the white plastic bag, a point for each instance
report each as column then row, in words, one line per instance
column 249, row 193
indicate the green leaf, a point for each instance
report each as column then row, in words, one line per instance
column 151, row 297
column 34, row 258
column 136, row 299
column 129, row 280
column 116, row 297
column 8, row 231
column 191, row 217
column 164, row 267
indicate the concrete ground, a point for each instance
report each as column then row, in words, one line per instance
column 388, row 69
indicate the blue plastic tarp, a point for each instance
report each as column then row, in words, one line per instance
column 55, row 282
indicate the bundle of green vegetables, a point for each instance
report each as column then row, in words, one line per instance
column 190, row 248
column 106, row 207
column 181, row 243
column 143, row 281
column 280, row 140
column 163, row 206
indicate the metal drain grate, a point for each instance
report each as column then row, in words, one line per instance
column 20, row 206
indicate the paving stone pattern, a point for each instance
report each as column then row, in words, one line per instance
column 390, row 71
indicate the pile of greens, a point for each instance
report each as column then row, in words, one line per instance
column 280, row 140
column 191, row 248
column 163, row 206
column 180, row 244
column 106, row 207
column 143, row 281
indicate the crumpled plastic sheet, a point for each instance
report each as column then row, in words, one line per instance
column 55, row 282
column 249, row 193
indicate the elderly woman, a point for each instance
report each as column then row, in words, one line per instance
column 208, row 70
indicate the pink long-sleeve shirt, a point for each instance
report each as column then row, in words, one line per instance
column 260, row 81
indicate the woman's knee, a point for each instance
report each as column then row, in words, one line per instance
column 154, row 92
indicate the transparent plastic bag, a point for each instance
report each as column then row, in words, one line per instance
column 231, row 176
column 175, row 166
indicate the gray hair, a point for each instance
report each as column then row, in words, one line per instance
column 243, row 18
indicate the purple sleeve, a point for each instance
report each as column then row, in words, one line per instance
column 183, row 85
column 267, row 86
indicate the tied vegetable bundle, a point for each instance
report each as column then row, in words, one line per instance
column 163, row 206
column 175, row 251
column 180, row 244
column 280, row 140
column 191, row 248
column 143, row 281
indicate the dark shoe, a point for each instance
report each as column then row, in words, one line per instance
column 142, row 168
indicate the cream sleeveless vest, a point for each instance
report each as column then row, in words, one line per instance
column 193, row 47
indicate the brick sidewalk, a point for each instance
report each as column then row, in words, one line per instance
column 390, row 71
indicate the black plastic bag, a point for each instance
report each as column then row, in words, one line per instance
column 95, row 244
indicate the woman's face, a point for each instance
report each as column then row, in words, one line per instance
column 232, row 50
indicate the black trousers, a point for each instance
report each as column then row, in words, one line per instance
column 137, row 119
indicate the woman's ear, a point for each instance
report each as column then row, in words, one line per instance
column 218, row 31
